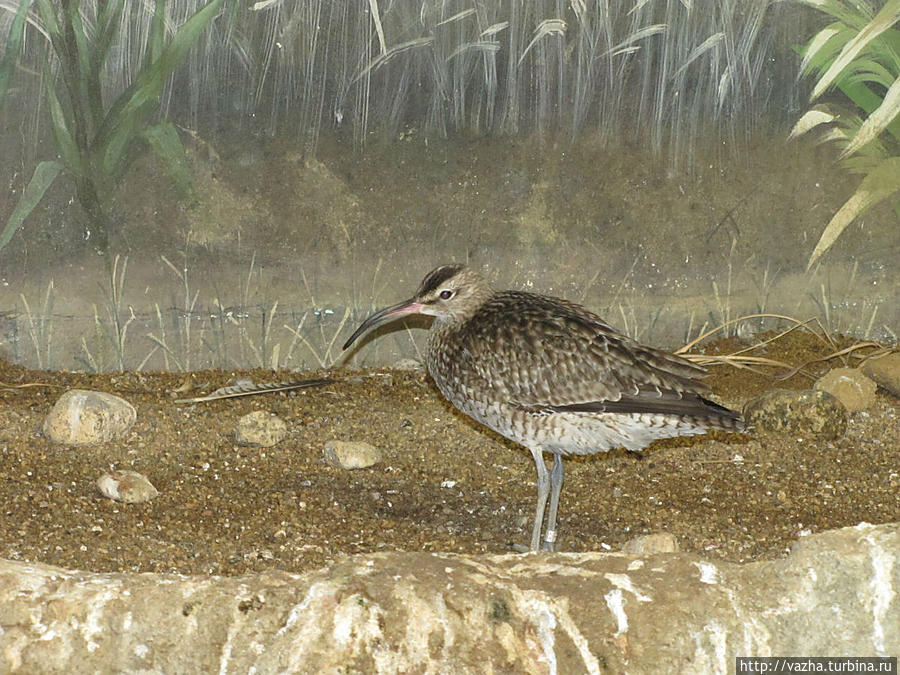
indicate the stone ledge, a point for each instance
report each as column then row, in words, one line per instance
column 836, row 594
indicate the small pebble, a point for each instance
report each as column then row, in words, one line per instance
column 260, row 429
column 126, row 486
column 351, row 454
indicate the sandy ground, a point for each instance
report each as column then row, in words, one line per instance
column 446, row 484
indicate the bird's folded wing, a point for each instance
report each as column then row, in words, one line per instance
column 666, row 403
column 568, row 357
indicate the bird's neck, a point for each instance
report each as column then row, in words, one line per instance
column 443, row 332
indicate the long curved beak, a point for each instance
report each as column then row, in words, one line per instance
column 385, row 315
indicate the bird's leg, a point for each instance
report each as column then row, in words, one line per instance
column 556, row 481
column 543, row 489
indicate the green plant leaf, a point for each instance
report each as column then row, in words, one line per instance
column 82, row 45
column 85, row 90
column 107, row 27
column 130, row 109
column 13, row 48
column 886, row 17
column 877, row 121
column 157, row 32
column 65, row 143
column 853, row 15
column 48, row 16
column 878, row 185
column 868, row 70
column 163, row 139
column 868, row 100
column 813, row 53
column 44, row 175
column 821, row 53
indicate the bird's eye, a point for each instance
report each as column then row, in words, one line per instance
column 446, row 295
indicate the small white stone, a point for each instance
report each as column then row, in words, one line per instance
column 260, row 429
column 351, row 454
column 126, row 486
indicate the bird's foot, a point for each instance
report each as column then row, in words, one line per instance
column 549, row 543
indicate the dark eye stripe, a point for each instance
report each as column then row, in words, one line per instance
column 437, row 277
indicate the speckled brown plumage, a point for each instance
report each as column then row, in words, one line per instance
column 552, row 376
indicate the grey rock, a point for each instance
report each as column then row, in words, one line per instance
column 351, row 454
column 260, row 429
column 885, row 370
column 807, row 413
column 126, row 486
column 83, row 417
column 651, row 544
column 396, row 612
column 849, row 386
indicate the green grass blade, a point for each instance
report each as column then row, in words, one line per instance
column 870, row 70
column 48, row 16
column 87, row 86
column 163, row 139
column 44, row 175
column 130, row 109
column 13, row 48
column 157, row 31
column 65, row 142
column 107, row 27
column 112, row 149
column 82, row 45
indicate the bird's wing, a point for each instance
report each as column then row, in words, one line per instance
column 552, row 354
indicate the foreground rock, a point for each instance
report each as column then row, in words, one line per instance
column 82, row 417
column 850, row 386
column 807, row 413
column 418, row 612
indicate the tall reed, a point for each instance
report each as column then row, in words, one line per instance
column 663, row 71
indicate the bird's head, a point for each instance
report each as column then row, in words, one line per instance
column 450, row 293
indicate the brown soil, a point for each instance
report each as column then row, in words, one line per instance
column 446, row 483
